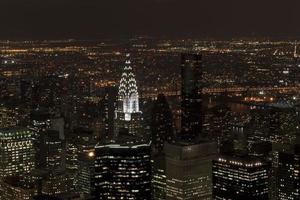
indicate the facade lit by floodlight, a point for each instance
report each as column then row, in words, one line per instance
column 128, row 114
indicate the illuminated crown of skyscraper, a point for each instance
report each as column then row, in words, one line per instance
column 128, row 91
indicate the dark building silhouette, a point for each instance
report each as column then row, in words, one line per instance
column 86, row 173
column 162, row 124
column 108, row 110
column 240, row 178
column 288, row 178
column 285, row 176
column 191, row 105
column 123, row 169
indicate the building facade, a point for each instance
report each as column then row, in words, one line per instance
column 189, row 170
column 191, row 90
column 128, row 114
column 123, row 170
column 162, row 124
column 240, row 178
column 17, row 154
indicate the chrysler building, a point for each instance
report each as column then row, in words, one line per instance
column 128, row 115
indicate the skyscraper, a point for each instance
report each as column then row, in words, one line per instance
column 188, row 160
column 109, row 106
column 86, row 173
column 240, row 178
column 189, row 170
column 191, row 105
column 54, row 150
column 16, row 151
column 122, row 162
column 159, row 178
column 162, row 124
column 14, row 187
column 288, row 177
column 128, row 114
column 123, row 169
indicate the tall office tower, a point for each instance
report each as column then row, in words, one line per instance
column 288, row 177
column 123, row 168
column 72, row 154
column 56, row 179
column 159, row 178
column 191, row 105
column 51, row 151
column 285, row 176
column 240, row 178
column 108, row 110
column 58, row 124
column 57, row 182
column 8, row 117
column 54, row 150
column 128, row 114
column 16, row 151
column 40, row 122
column 162, row 124
column 189, row 170
column 297, row 171
column 14, row 187
column 86, row 174
column 78, row 144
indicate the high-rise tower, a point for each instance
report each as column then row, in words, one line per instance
column 122, row 163
column 16, row 151
column 128, row 114
column 191, row 105
column 188, row 165
column 161, row 124
column 123, row 169
column 240, row 178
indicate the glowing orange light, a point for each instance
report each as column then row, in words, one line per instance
column 91, row 154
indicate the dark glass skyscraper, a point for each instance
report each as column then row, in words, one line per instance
column 191, row 105
column 108, row 110
column 162, row 124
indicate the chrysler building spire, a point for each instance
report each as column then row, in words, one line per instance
column 128, row 94
column 128, row 114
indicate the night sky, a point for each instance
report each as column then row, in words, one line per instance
column 90, row 19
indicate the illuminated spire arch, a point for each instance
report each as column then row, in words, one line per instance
column 128, row 92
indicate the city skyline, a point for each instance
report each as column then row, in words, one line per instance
column 149, row 100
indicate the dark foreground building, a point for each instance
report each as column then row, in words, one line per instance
column 191, row 93
column 123, row 169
